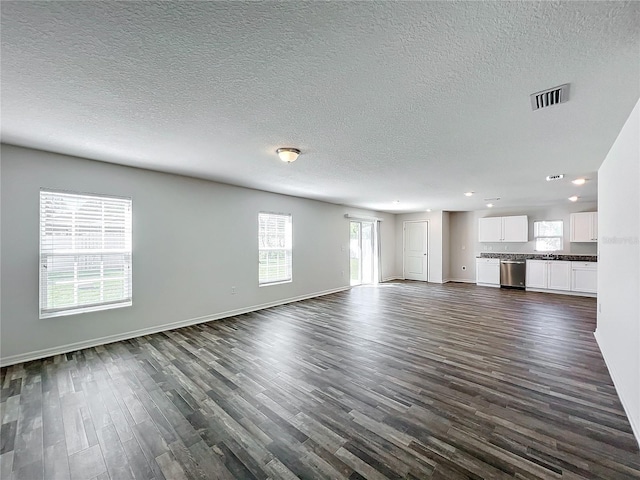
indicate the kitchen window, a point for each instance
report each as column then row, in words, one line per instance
column 85, row 253
column 274, row 248
column 548, row 235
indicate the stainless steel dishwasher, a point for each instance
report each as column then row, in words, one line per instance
column 513, row 273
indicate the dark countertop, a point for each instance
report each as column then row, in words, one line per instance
column 540, row 256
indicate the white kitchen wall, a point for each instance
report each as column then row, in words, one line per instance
column 464, row 245
column 192, row 241
column 561, row 211
column 435, row 252
column 618, row 331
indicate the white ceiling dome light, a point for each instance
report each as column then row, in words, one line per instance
column 288, row 154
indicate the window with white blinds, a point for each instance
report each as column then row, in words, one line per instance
column 548, row 235
column 85, row 253
column 274, row 248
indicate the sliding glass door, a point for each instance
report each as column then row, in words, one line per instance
column 363, row 252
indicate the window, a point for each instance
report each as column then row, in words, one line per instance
column 85, row 253
column 548, row 235
column 274, row 248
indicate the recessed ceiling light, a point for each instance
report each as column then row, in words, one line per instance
column 579, row 181
column 489, row 205
column 288, row 154
column 396, row 201
column 468, row 194
column 428, row 209
column 574, row 198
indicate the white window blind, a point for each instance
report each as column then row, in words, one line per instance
column 274, row 248
column 85, row 253
column 548, row 235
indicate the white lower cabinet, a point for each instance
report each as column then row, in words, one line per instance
column 584, row 277
column 557, row 276
column 488, row 272
column 537, row 274
column 561, row 276
column 548, row 275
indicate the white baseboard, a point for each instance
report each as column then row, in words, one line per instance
column 492, row 285
column 390, row 279
column 563, row 292
column 461, row 280
column 72, row 347
column 616, row 382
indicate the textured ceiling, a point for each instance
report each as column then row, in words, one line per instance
column 410, row 101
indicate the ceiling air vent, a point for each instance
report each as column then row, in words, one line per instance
column 551, row 178
column 552, row 96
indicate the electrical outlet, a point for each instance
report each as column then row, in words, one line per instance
column 233, row 290
column 464, row 267
column 342, row 273
column 599, row 307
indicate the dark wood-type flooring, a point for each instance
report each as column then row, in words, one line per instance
column 403, row 380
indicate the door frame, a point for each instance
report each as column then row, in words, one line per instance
column 404, row 243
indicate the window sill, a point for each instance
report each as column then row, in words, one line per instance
column 274, row 283
column 75, row 311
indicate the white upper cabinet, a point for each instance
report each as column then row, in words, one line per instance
column 490, row 229
column 515, row 229
column 504, row 229
column 584, row 227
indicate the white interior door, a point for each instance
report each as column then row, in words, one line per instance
column 415, row 251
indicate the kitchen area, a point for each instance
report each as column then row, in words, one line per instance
column 549, row 267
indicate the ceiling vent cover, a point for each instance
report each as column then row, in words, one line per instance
column 551, row 178
column 552, row 96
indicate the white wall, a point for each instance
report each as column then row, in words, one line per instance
column 435, row 247
column 618, row 331
column 387, row 244
column 445, row 246
column 463, row 236
column 192, row 241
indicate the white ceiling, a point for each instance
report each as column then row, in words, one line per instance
column 410, row 101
